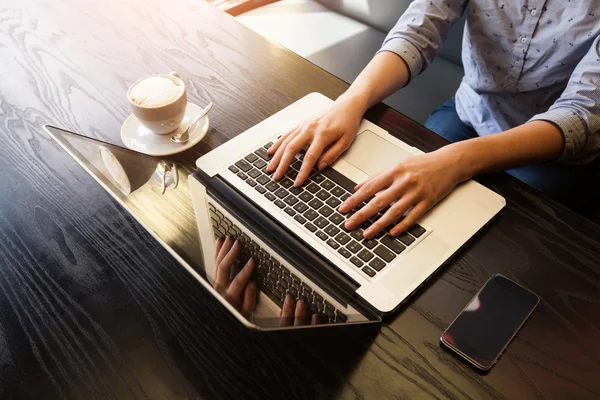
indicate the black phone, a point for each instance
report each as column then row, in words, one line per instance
column 488, row 323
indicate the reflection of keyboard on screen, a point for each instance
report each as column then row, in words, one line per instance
column 274, row 279
column 314, row 207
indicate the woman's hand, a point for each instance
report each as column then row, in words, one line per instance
column 328, row 135
column 418, row 182
column 239, row 290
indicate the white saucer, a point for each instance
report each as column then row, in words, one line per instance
column 139, row 138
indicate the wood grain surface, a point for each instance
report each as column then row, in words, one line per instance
column 92, row 307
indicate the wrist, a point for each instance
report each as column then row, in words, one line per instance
column 458, row 159
column 356, row 102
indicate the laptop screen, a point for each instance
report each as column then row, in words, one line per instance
column 261, row 286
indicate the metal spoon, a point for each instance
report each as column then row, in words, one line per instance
column 185, row 135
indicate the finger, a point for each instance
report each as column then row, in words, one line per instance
column 287, row 311
column 224, row 267
column 279, row 153
column 278, row 142
column 241, row 279
column 413, row 216
column 301, row 314
column 310, row 159
column 334, row 152
column 393, row 215
column 249, row 304
column 357, row 187
column 218, row 246
column 224, row 249
column 290, row 152
column 377, row 203
column 368, row 190
column 315, row 320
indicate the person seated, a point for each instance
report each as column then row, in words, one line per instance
column 529, row 103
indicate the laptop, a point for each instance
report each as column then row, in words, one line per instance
column 297, row 235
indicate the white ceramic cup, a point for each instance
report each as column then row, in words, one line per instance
column 161, row 117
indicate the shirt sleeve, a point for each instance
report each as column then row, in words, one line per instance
column 421, row 31
column 577, row 111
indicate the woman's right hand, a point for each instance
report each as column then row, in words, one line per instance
column 328, row 135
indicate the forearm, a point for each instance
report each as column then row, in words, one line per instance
column 530, row 143
column 384, row 75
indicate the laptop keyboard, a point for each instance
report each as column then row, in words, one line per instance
column 275, row 280
column 314, row 207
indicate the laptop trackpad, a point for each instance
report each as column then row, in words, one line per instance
column 371, row 153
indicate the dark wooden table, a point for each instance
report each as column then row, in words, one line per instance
column 92, row 307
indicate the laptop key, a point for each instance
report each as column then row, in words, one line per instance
column 262, row 153
column 365, row 255
column 305, row 197
column 326, row 211
column 254, row 173
column 368, row 271
column 270, row 196
column 406, row 239
column 337, row 191
column 313, row 188
column 315, row 203
column 291, row 200
column 272, row 186
column 323, row 194
column 242, row 176
column 251, row 182
column 333, row 202
column 233, row 169
column 345, row 197
column 356, row 262
column 260, row 163
column 327, row 184
column 300, row 219
column 279, row 203
column 336, row 218
column 268, row 145
column 286, row 183
column 369, row 243
column 289, row 211
column 321, row 235
column 340, row 317
column 353, row 246
column 243, row 165
column 377, row 264
column 342, row 238
column 344, row 252
column 300, row 207
column 310, row 215
column 331, row 230
column 318, row 178
column 251, row 157
column 310, row 227
column 281, row 193
column 295, row 190
column 297, row 164
column 339, row 179
column 263, row 180
column 357, row 234
column 393, row 244
column 321, row 222
column 333, row 243
column 292, row 174
column 384, row 253
column 417, row 230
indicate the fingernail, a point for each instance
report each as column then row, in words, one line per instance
column 367, row 234
column 297, row 182
column 344, row 208
column 350, row 224
column 322, row 166
column 277, row 176
column 289, row 299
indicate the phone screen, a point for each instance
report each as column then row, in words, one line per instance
column 490, row 320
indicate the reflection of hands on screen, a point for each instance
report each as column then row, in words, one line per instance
column 237, row 290
column 296, row 314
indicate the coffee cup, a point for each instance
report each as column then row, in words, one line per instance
column 159, row 102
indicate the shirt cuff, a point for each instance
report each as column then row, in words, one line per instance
column 408, row 52
column 573, row 128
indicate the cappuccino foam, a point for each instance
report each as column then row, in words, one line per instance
column 155, row 91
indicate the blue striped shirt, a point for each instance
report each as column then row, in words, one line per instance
column 524, row 60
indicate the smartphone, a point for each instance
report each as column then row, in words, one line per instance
column 488, row 323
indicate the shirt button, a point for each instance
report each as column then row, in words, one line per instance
column 523, row 40
column 533, row 12
column 517, row 62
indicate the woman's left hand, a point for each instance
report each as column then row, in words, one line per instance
column 418, row 182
